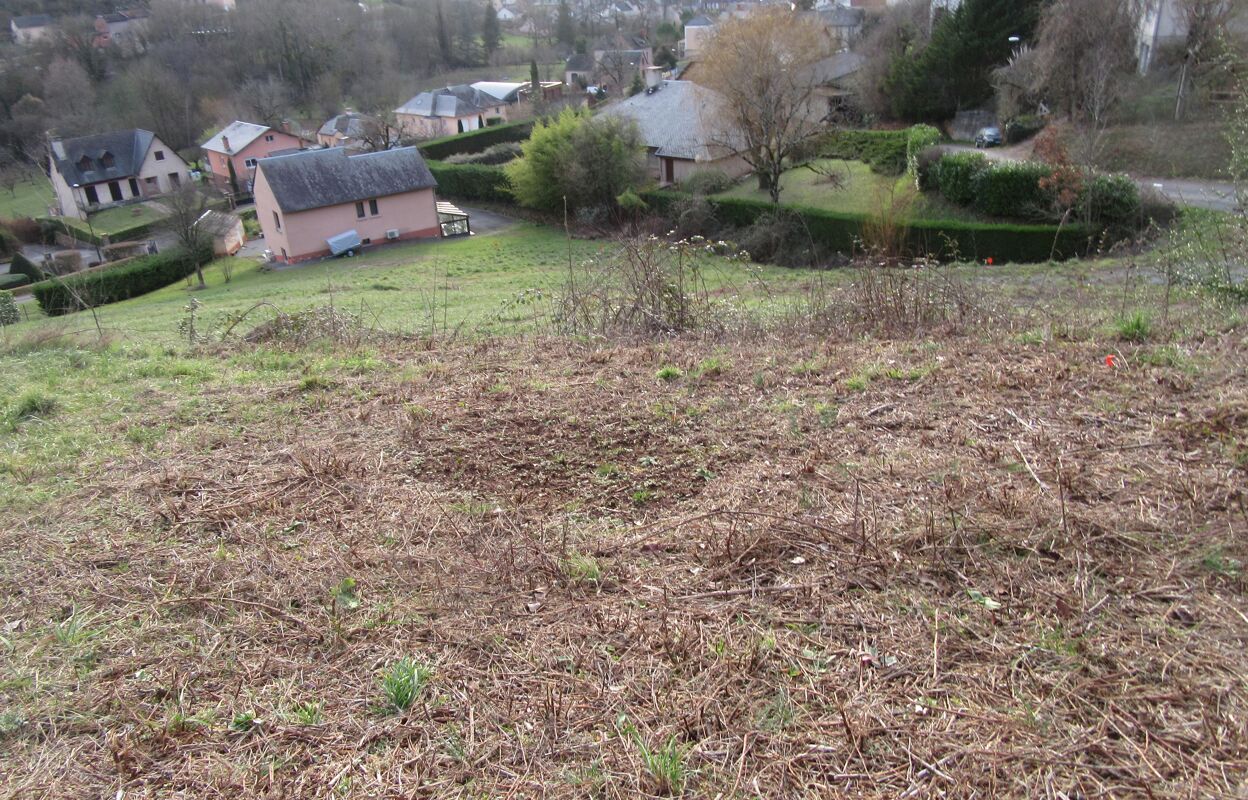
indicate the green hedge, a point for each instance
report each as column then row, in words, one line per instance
column 954, row 176
column 134, row 278
column 13, row 280
column 1112, row 201
column 1014, row 190
column 476, row 141
column 21, row 265
column 918, row 139
column 883, row 151
column 9, row 315
column 83, row 234
column 471, row 182
column 842, row 232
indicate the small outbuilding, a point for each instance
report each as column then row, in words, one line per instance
column 226, row 230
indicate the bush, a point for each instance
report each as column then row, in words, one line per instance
column 8, row 243
column 955, row 174
column 1020, row 129
column 24, row 228
column 475, row 141
column 925, row 169
column 9, row 315
column 54, row 225
column 131, row 279
column 1013, row 190
column 918, row 139
column 706, row 181
column 883, row 151
column 24, row 266
column 1111, row 201
column 13, row 281
column 65, row 261
column 499, row 153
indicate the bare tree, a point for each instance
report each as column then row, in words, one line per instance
column 187, row 205
column 763, row 67
column 1084, row 53
column 1207, row 21
column 264, row 100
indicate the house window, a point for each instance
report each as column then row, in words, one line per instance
column 175, row 179
column 85, row 164
column 372, row 207
column 150, row 181
column 134, row 188
column 277, row 221
column 269, row 138
column 250, row 163
column 160, row 155
column 114, row 191
column 93, row 197
column 107, row 161
column 359, row 210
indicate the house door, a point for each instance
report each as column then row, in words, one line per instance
column 134, row 188
column 93, row 197
column 114, row 190
column 669, row 171
column 461, row 126
column 175, row 180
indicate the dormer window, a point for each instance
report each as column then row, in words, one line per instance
column 107, row 161
column 85, row 164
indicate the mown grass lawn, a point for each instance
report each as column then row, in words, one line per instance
column 29, row 198
column 860, row 191
column 489, row 284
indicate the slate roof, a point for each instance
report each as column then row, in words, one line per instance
column 240, row 135
column 217, row 223
column 580, row 62
column 506, row 91
column 450, row 101
column 841, row 16
column 330, row 177
column 836, row 67
column 128, row 149
column 350, row 125
column 680, row 120
column 700, row 21
column 32, row 21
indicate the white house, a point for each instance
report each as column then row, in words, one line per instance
column 94, row 172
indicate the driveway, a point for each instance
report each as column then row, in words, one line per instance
column 1213, row 195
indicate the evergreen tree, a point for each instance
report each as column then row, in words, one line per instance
column 565, row 29
column 444, row 37
column 491, row 37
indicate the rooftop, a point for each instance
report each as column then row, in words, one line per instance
column 102, row 156
column 450, row 101
column 319, row 178
column 679, row 120
column 240, row 134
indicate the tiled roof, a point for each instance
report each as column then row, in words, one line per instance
column 680, row 120
column 331, row 177
column 84, row 160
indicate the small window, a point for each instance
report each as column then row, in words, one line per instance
column 107, row 161
column 249, row 163
column 366, row 241
column 359, row 210
column 372, row 207
column 150, row 181
column 269, row 137
column 85, row 164
column 277, row 221
column 160, row 155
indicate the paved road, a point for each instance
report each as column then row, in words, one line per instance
column 1215, row 195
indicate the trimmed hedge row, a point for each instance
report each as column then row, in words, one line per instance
column 471, row 182
column 842, row 232
column 21, row 265
column 883, row 151
column 476, row 141
column 58, row 225
column 13, row 280
column 134, row 278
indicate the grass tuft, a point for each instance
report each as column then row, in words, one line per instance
column 404, row 682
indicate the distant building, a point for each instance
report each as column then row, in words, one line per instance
column 305, row 199
column 243, row 144
column 682, row 126
column 447, row 111
column 698, row 32
column 106, row 169
column 31, row 28
column 357, row 132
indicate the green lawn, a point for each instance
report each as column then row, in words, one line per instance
column 861, row 192
column 29, row 198
column 496, row 283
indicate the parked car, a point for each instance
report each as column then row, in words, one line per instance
column 988, row 137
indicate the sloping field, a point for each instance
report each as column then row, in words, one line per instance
column 964, row 566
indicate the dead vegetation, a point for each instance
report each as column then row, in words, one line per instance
column 962, row 567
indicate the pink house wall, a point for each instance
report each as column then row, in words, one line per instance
column 302, row 234
column 257, row 149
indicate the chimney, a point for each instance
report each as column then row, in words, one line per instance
column 225, row 142
column 654, row 78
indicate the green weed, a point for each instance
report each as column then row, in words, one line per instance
column 307, row 713
column 404, row 682
column 1136, row 327
column 582, row 568
column 667, row 374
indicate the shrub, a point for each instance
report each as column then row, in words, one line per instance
column 1014, row 190
column 918, row 139
column 1020, row 129
column 13, row 281
column 471, row 182
column 8, row 243
column 475, row 141
column 955, row 175
column 21, row 265
column 706, row 181
column 24, row 228
column 925, row 169
column 9, row 315
column 131, row 279
column 883, row 151
column 65, row 261
column 1112, row 201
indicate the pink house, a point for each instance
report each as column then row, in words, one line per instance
column 244, row 144
column 303, row 199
